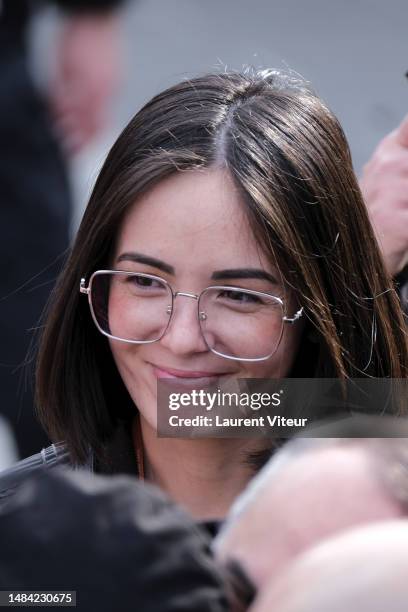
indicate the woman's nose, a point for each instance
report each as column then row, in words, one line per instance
column 183, row 335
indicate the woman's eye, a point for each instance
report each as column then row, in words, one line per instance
column 241, row 297
column 143, row 281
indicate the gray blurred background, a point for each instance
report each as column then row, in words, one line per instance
column 354, row 52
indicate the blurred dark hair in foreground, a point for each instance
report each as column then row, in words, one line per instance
column 118, row 543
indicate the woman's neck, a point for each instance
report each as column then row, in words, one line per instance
column 204, row 476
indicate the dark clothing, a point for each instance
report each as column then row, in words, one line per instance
column 120, row 544
column 34, row 216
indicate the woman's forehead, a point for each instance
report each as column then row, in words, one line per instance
column 195, row 216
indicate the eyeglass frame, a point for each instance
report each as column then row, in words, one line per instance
column 88, row 291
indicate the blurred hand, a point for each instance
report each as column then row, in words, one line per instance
column 384, row 184
column 87, row 72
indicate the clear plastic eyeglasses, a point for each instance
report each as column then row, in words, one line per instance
column 236, row 323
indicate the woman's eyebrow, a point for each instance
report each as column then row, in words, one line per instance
column 229, row 274
column 243, row 273
column 147, row 260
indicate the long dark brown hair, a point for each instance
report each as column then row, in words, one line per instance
column 289, row 158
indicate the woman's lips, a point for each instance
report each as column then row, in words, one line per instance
column 197, row 377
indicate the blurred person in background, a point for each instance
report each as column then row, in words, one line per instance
column 361, row 570
column 384, row 184
column 311, row 489
column 37, row 132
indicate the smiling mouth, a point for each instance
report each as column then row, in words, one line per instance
column 198, row 377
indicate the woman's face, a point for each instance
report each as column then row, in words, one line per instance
column 194, row 226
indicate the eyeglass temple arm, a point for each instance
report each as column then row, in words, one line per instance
column 295, row 317
column 82, row 287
